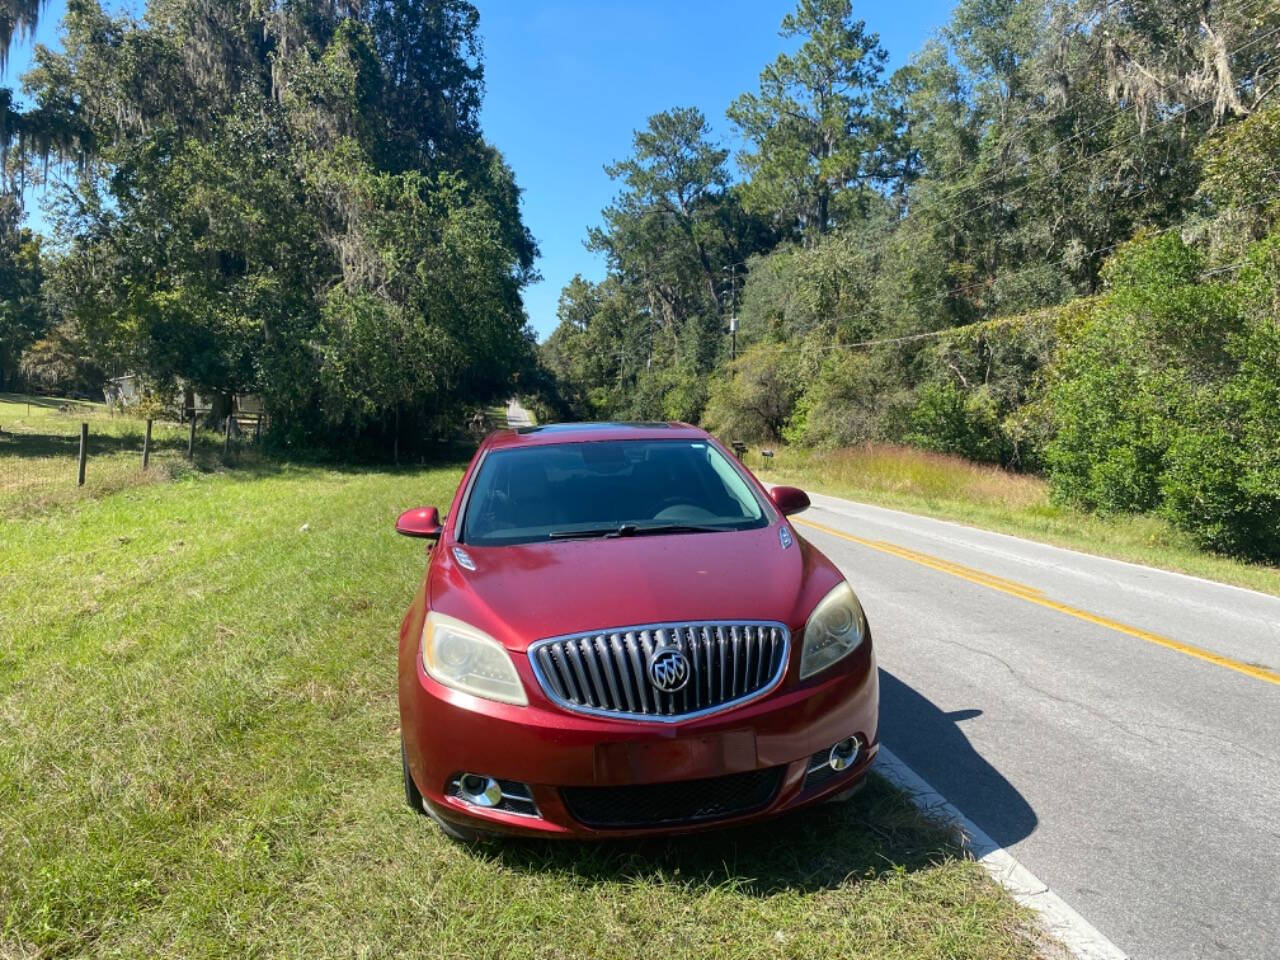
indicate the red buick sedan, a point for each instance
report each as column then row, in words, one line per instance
column 620, row 633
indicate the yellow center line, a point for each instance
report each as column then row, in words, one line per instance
column 1033, row 595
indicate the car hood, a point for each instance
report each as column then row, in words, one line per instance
column 528, row 592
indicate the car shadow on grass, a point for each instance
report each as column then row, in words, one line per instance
column 877, row 831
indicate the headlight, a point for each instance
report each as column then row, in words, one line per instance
column 833, row 631
column 460, row 656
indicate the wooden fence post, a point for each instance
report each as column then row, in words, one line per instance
column 191, row 437
column 226, row 437
column 146, row 445
column 84, row 452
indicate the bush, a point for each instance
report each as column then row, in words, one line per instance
column 1166, row 395
column 1222, row 478
column 850, row 397
column 684, row 395
column 1122, row 380
column 946, row 419
column 756, row 397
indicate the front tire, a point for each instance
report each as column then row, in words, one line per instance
column 412, row 795
column 421, row 806
column 455, row 833
column 849, row 792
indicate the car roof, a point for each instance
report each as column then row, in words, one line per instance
column 586, row 432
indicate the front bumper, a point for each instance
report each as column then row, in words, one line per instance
column 447, row 733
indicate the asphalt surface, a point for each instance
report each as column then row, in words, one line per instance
column 518, row 416
column 1042, row 692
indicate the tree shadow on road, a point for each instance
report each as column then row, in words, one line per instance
column 931, row 742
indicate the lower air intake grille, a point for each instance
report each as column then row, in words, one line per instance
column 820, row 770
column 681, row 801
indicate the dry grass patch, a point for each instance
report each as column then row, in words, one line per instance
column 952, row 488
column 908, row 472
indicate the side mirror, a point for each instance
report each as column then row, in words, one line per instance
column 422, row 522
column 789, row 500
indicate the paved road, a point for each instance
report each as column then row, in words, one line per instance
column 518, row 416
column 1117, row 728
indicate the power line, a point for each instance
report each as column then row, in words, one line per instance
column 964, row 288
column 1040, row 312
column 1088, row 254
column 964, row 188
column 1018, row 318
column 1093, row 156
column 960, row 190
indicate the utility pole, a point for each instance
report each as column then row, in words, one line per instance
column 732, row 270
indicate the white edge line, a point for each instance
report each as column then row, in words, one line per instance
column 1064, row 924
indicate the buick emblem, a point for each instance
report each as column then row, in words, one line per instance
column 668, row 670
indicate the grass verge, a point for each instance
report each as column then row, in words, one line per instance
column 40, row 442
column 200, row 759
column 952, row 488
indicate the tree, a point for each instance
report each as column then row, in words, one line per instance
column 674, row 184
column 671, row 237
column 22, row 316
column 819, row 146
column 18, row 18
column 1187, row 51
column 294, row 201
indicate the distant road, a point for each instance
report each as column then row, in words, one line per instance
column 518, row 416
column 1117, row 728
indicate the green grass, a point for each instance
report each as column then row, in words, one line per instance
column 200, row 759
column 952, row 488
column 39, row 448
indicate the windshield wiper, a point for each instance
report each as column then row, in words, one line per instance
column 591, row 533
column 677, row 528
column 632, row 530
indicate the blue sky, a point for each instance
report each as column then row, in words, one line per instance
column 568, row 82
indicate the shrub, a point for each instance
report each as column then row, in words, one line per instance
column 850, row 397
column 949, row 420
column 1165, row 398
column 1122, row 379
column 756, row 397
column 1222, row 478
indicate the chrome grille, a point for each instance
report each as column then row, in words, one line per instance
column 607, row 672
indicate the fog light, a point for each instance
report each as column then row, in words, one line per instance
column 480, row 791
column 844, row 754
column 492, row 793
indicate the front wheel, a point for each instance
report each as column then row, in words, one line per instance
column 419, row 805
column 452, row 831
column 412, row 795
column 849, row 792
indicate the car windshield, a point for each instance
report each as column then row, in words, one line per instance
column 607, row 488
